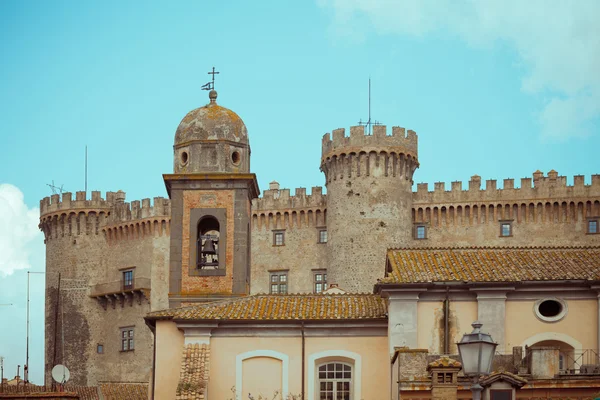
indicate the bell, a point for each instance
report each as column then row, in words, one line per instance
column 209, row 247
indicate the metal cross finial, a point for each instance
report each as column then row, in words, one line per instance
column 210, row 85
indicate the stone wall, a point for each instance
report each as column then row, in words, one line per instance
column 301, row 217
column 89, row 242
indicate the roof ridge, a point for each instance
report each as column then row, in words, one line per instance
column 533, row 247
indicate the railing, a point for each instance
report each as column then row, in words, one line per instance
column 585, row 362
column 115, row 287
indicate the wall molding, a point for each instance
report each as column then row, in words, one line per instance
column 530, row 341
column 285, row 361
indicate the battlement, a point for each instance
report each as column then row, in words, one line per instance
column 114, row 206
column 539, row 186
column 278, row 199
column 400, row 141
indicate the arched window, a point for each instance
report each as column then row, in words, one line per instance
column 208, row 243
column 335, row 381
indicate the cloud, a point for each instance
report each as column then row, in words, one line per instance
column 558, row 43
column 18, row 230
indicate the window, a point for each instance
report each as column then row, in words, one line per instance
column 501, row 394
column 593, row 226
column 278, row 238
column 100, row 348
column 319, row 281
column 335, row 381
column 128, row 279
column 420, row 232
column 505, row 229
column 550, row 310
column 127, row 339
column 208, row 243
column 279, row 282
column 323, row 236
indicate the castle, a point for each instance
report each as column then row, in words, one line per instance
column 109, row 262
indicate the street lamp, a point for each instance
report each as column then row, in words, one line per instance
column 476, row 351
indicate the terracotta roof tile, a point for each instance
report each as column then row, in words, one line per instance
column 124, row 391
column 283, row 307
column 193, row 377
column 493, row 264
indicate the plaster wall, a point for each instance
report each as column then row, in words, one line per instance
column 580, row 323
column 430, row 324
column 262, row 377
column 169, row 345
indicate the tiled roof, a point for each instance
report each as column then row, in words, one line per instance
column 124, row 391
column 283, row 307
column 492, row 264
column 193, row 377
column 84, row 392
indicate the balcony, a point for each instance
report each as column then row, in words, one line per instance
column 116, row 292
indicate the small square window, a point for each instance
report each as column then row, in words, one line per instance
column 128, row 279
column 319, row 281
column 100, row 348
column 505, row 229
column 279, row 282
column 420, row 232
column 593, row 226
column 323, row 236
column 278, row 238
column 127, row 339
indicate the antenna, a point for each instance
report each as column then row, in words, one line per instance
column 210, row 85
column 369, row 124
column 55, row 189
column 86, row 168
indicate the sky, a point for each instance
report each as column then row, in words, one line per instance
column 498, row 88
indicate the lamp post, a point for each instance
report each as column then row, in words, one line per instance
column 26, row 366
column 476, row 351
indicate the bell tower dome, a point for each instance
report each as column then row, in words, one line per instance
column 211, row 139
column 211, row 191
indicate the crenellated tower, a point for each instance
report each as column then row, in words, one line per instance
column 369, row 201
column 90, row 243
column 211, row 192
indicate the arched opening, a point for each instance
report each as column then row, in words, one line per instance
column 207, row 244
column 568, row 359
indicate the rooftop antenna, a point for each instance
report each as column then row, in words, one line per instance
column 86, row 168
column 369, row 124
column 55, row 189
column 210, row 85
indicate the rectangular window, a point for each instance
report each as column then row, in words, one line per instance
column 319, row 281
column 100, row 348
column 501, row 394
column 505, row 229
column 593, row 226
column 323, row 236
column 128, row 279
column 420, row 232
column 127, row 339
column 279, row 282
column 278, row 238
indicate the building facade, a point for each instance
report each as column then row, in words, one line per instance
column 109, row 262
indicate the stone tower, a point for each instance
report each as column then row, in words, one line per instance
column 369, row 201
column 211, row 192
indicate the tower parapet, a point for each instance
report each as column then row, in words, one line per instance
column 277, row 208
column 365, row 155
column 369, row 189
column 64, row 216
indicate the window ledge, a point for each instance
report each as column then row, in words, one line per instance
column 502, row 236
column 127, row 351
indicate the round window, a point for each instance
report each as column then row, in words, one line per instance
column 184, row 157
column 235, row 157
column 550, row 310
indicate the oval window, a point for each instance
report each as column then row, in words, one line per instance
column 235, row 158
column 550, row 310
column 184, row 157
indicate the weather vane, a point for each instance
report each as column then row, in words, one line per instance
column 210, row 85
column 369, row 124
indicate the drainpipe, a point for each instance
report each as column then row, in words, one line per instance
column 303, row 357
column 446, row 323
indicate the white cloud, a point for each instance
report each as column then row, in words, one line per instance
column 19, row 231
column 558, row 42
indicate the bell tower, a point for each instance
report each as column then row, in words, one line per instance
column 211, row 191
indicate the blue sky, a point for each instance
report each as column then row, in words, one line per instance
column 494, row 88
